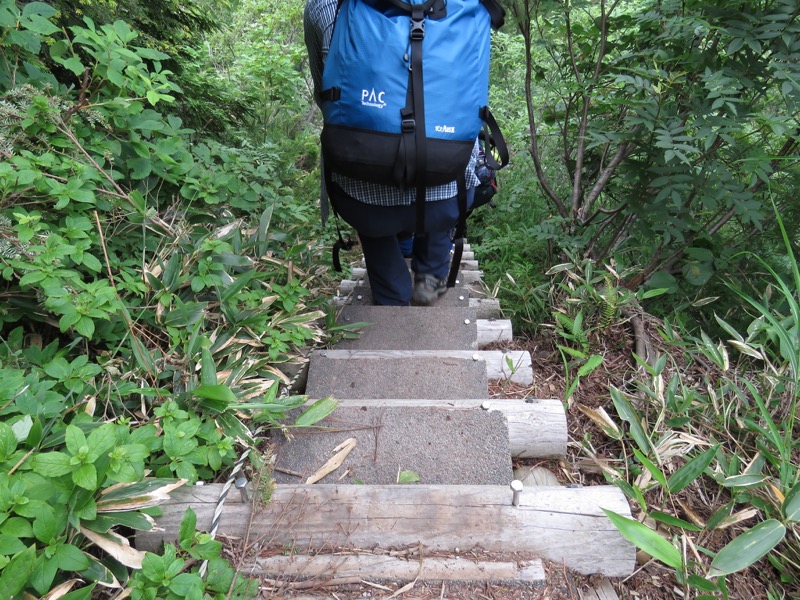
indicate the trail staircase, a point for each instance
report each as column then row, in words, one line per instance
column 414, row 403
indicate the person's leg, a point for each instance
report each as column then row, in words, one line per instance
column 388, row 278
column 377, row 228
column 431, row 262
column 432, row 254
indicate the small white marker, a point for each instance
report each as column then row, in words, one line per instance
column 516, row 488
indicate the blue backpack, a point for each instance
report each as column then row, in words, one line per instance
column 405, row 91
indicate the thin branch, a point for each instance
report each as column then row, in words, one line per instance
column 621, row 154
column 534, row 145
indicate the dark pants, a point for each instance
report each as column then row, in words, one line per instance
column 378, row 227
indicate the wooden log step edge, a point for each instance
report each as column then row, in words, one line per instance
column 359, row 566
column 559, row 524
column 536, row 428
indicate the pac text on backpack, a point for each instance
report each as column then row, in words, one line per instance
column 405, row 94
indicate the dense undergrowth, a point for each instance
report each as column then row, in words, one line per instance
column 155, row 283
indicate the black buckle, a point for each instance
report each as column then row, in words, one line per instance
column 408, row 125
column 417, row 29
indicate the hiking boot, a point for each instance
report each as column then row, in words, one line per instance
column 427, row 289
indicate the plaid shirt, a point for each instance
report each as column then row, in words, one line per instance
column 318, row 27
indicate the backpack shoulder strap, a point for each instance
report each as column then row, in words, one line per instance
column 496, row 13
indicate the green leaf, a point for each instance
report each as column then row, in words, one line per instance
column 10, row 545
column 218, row 392
column 41, row 9
column 673, row 521
column 140, row 167
column 630, row 416
column 45, row 526
column 102, row 439
column 85, row 593
column 85, row 476
column 17, row 571
column 408, row 477
column 188, row 526
column 691, row 470
column 17, row 527
column 701, row 583
column 132, row 519
column 698, row 273
column 40, row 25
column 187, row 585
column 70, row 558
column 75, row 65
column 657, row 474
column 646, row 539
column 75, row 439
column 748, row 548
column 51, row 464
column 316, row 412
column 594, row 361
column 791, row 504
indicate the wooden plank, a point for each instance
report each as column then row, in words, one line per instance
column 493, row 330
column 486, row 308
column 468, row 277
column 346, row 286
column 468, row 265
column 497, row 366
column 396, row 568
column 536, row 429
column 603, row 590
column 557, row 524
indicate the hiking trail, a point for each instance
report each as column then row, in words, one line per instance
column 413, row 405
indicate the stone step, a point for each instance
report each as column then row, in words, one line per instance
column 411, row 328
column 536, row 428
column 472, row 280
column 506, row 365
column 457, row 296
column 420, row 328
column 401, row 377
column 564, row 525
column 442, row 446
column 476, row 293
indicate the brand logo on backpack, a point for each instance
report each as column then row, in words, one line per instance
column 373, row 98
column 444, row 129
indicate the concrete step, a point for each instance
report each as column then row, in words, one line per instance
column 536, row 428
column 442, row 446
column 402, row 377
column 411, row 328
column 457, row 296
column 506, row 365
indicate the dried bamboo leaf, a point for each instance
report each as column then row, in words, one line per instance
column 117, row 546
column 342, row 450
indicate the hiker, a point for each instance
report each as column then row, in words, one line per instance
column 381, row 213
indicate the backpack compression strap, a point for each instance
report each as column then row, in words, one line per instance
column 340, row 244
column 461, row 230
column 494, row 141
